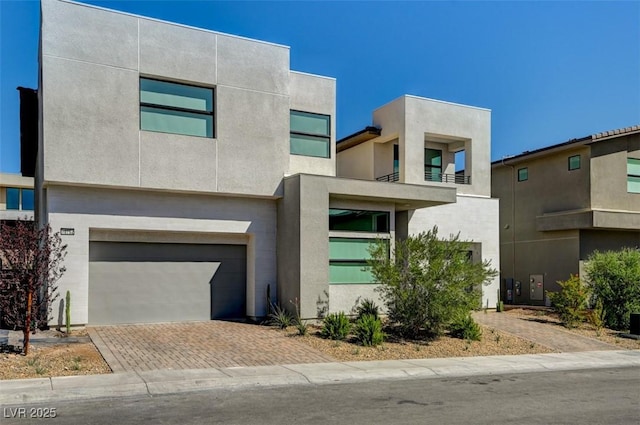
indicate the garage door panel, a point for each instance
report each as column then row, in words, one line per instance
column 137, row 282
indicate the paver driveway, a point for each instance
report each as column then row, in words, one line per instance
column 198, row 345
column 544, row 334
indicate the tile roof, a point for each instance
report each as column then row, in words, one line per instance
column 617, row 132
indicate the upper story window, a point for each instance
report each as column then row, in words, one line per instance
column 310, row 134
column 432, row 165
column 176, row 108
column 633, row 175
column 19, row 199
column 574, row 162
column 523, row 174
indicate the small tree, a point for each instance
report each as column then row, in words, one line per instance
column 571, row 301
column 426, row 283
column 32, row 264
column 614, row 277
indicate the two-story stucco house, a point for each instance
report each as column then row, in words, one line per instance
column 561, row 203
column 191, row 170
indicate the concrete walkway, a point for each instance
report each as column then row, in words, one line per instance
column 548, row 335
column 158, row 382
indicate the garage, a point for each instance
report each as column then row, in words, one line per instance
column 136, row 282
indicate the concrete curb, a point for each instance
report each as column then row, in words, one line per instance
column 161, row 382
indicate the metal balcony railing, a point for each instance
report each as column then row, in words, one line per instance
column 393, row 177
column 447, row 178
column 431, row 177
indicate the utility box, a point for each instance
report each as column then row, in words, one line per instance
column 536, row 287
column 634, row 324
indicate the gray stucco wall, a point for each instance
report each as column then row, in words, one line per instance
column 91, row 61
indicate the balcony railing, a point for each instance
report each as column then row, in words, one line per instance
column 447, row 178
column 430, row 176
column 393, row 177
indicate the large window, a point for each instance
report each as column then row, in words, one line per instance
column 633, row 175
column 176, row 108
column 310, row 134
column 359, row 221
column 432, row 165
column 348, row 261
column 19, row 199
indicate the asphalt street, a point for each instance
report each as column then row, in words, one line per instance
column 593, row 396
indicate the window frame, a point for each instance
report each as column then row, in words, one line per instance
column 324, row 137
column 363, row 263
column 374, row 215
column 177, row 108
column 569, row 162
column 526, row 177
column 434, row 177
column 630, row 175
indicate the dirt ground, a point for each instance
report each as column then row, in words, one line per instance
column 82, row 358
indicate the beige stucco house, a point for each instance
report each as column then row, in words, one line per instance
column 561, row 203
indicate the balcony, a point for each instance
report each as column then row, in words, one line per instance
column 431, row 177
column 458, row 178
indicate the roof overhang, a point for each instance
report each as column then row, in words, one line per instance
column 588, row 219
column 356, row 138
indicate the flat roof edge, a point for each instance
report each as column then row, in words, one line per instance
column 133, row 15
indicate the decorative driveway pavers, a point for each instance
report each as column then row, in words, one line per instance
column 198, row 345
column 543, row 334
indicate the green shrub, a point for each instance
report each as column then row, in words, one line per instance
column 466, row 328
column 597, row 316
column 368, row 330
column 571, row 301
column 335, row 326
column 427, row 282
column 279, row 317
column 614, row 278
column 368, row 307
column 500, row 306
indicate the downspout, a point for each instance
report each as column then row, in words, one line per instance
column 513, row 226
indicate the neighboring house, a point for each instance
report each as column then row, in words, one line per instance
column 16, row 197
column 561, row 203
column 189, row 171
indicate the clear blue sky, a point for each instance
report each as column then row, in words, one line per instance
column 549, row 71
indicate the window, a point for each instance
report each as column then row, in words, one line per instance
column 432, row 165
column 19, row 199
column 633, row 175
column 13, row 198
column 310, row 134
column 348, row 261
column 176, row 108
column 523, row 174
column 574, row 162
column 359, row 221
column 396, row 159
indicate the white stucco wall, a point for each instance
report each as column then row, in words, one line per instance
column 476, row 219
column 166, row 217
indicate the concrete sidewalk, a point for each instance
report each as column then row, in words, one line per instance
column 159, row 382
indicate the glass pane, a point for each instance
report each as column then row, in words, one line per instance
column 305, row 122
column 396, row 159
column 633, row 184
column 433, row 174
column 433, row 157
column 310, row 145
column 359, row 221
column 523, row 174
column 574, row 162
column 349, row 248
column 13, row 198
column 27, row 199
column 176, row 95
column 633, row 166
column 177, row 122
column 350, row 273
